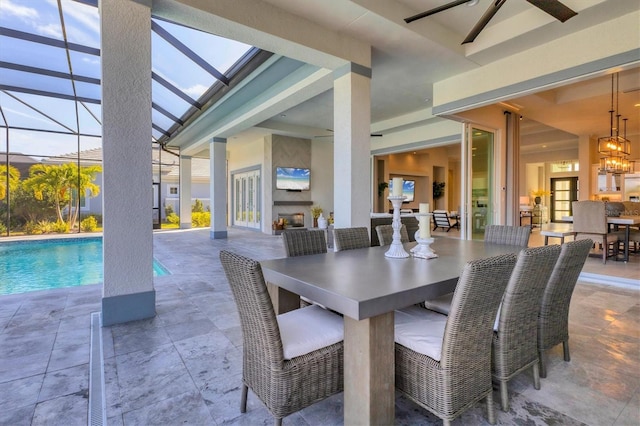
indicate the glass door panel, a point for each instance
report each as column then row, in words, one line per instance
column 481, row 161
column 247, row 199
column 563, row 192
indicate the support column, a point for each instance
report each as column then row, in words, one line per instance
column 218, row 188
column 128, row 292
column 587, row 149
column 185, row 192
column 352, row 146
column 512, row 181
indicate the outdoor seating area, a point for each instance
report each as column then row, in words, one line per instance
column 185, row 364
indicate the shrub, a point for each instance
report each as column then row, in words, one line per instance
column 200, row 219
column 197, row 207
column 173, row 218
column 60, row 227
column 37, row 228
column 3, row 229
column 168, row 210
column 89, row 224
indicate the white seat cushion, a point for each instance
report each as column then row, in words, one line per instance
column 420, row 330
column 440, row 304
column 308, row 329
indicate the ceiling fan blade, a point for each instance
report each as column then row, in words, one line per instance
column 435, row 10
column 492, row 10
column 554, row 8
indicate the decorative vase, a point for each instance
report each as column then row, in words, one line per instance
column 315, row 222
column 537, row 200
column 322, row 222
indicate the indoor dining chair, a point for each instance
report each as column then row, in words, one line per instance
column 590, row 222
column 553, row 318
column 443, row 363
column 351, row 238
column 290, row 361
column 385, row 234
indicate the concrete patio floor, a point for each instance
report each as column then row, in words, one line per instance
column 184, row 366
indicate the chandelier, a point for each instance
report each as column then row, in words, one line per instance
column 615, row 148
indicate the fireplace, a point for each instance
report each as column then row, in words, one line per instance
column 293, row 220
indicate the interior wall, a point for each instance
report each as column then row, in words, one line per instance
column 322, row 175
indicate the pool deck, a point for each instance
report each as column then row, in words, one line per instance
column 184, row 365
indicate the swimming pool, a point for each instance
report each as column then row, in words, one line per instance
column 57, row 263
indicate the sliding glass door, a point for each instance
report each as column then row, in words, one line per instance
column 479, row 153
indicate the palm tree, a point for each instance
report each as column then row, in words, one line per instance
column 14, row 179
column 62, row 182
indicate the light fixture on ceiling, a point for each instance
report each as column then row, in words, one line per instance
column 615, row 148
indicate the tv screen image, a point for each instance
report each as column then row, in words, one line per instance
column 408, row 189
column 292, row 178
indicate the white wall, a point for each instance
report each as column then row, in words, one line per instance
column 322, row 175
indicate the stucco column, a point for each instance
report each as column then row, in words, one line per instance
column 586, row 157
column 218, row 187
column 128, row 292
column 352, row 146
column 185, row 192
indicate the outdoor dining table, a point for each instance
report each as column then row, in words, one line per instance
column 366, row 287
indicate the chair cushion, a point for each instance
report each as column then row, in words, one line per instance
column 308, row 329
column 441, row 304
column 420, row 330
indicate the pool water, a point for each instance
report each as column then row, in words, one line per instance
column 48, row 264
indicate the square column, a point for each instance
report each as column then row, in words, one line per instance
column 352, row 146
column 128, row 292
column 185, row 192
column 218, row 188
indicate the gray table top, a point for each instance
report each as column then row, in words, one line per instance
column 364, row 283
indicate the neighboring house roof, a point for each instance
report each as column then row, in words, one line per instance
column 170, row 163
column 20, row 161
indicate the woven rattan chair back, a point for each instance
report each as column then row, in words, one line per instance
column 385, row 234
column 463, row 375
column 514, row 345
column 351, row 238
column 553, row 319
column 304, row 242
column 505, row 234
column 284, row 386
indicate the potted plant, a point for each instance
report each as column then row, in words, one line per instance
column 538, row 194
column 316, row 211
column 438, row 189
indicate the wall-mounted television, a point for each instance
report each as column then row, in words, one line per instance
column 408, row 189
column 292, row 178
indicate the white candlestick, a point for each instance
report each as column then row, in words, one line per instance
column 397, row 187
column 425, row 226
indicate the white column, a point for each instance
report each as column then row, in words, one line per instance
column 352, row 146
column 218, row 188
column 128, row 292
column 185, row 192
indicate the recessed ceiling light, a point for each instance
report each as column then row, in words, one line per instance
column 283, row 115
column 544, row 146
column 472, row 3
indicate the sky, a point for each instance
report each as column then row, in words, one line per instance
column 82, row 23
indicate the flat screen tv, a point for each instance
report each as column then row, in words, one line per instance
column 408, row 189
column 292, row 178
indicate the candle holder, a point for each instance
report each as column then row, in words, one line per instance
column 397, row 249
column 423, row 249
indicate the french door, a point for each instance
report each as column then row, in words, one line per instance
column 247, row 199
column 563, row 192
column 479, row 169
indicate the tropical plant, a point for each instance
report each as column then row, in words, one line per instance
column 89, row 224
column 540, row 192
column 63, row 182
column 381, row 187
column 316, row 211
column 168, row 209
column 200, row 219
column 3, row 229
column 25, row 207
column 197, row 207
column 438, row 189
column 14, row 179
column 173, row 218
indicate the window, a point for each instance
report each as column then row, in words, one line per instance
column 173, row 190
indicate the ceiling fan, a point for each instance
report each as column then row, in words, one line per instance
column 552, row 7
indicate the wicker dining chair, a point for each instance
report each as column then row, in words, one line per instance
column 515, row 331
column 553, row 319
column 496, row 234
column 304, row 242
column 290, row 361
column 443, row 363
column 505, row 234
column 385, row 234
column 351, row 238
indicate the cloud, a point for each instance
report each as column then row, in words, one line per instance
column 22, row 12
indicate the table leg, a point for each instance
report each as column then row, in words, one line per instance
column 369, row 371
column 283, row 300
column 627, row 235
